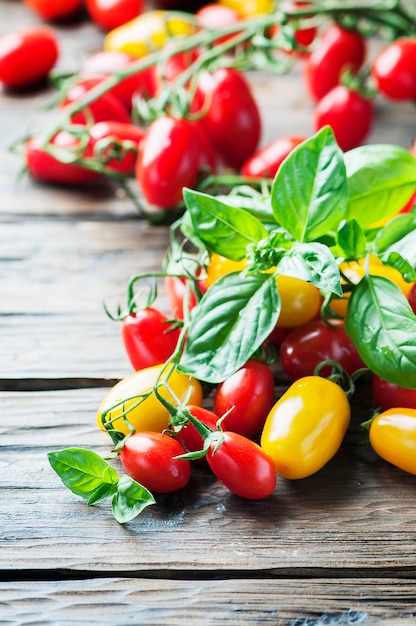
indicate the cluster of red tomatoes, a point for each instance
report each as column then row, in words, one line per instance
column 250, row 435
column 220, row 126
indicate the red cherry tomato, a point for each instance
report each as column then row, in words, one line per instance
column 54, row 10
column 17, row 47
column 233, row 119
column 338, row 49
column 105, row 108
column 107, row 62
column 388, row 396
column 115, row 145
column 45, row 167
column 243, row 467
column 394, row 70
column 168, row 160
column 188, row 436
column 265, row 162
column 247, row 397
column 148, row 338
column 175, row 290
column 110, row 14
column 149, row 458
column 348, row 113
column 308, row 345
column 411, row 296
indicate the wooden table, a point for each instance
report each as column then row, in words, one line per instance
column 338, row 547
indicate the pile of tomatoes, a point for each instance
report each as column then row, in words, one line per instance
column 168, row 122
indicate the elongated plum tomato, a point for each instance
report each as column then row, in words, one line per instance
column 148, row 337
column 176, row 287
column 242, row 466
column 54, row 10
column 393, row 437
column 122, row 405
column 394, row 70
column 306, row 426
column 105, row 108
column 232, row 119
column 348, row 113
column 251, row 8
column 110, row 14
column 246, row 398
column 27, row 56
column 337, row 50
column 45, row 167
column 266, row 162
column 387, row 395
column 308, row 345
column 168, row 160
column 149, row 458
column 115, row 145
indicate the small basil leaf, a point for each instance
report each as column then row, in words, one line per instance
column 310, row 192
column 381, row 179
column 351, row 239
column 234, row 317
column 83, row 471
column 130, row 499
column 399, row 235
column 314, row 263
column 382, row 326
column 399, row 263
column 224, row 229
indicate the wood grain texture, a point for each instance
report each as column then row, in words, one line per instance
column 244, row 602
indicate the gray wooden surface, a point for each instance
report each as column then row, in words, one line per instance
column 335, row 548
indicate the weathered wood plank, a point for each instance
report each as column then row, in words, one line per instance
column 350, row 517
column 236, row 603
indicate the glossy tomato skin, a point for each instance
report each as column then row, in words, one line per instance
column 232, row 120
column 110, row 14
column 149, row 458
column 106, row 62
column 148, row 338
column 103, row 109
column 17, row 47
column 242, row 466
column 306, row 426
column 150, row 414
column 411, row 296
column 175, row 287
column 168, row 160
column 188, row 436
column 387, row 395
column 348, row 113
column 54, row 10
column 307, row 346
column 115, row 145
column 247, row 397
column 337, row 50
column 249, row 9
column 393, row 437
column 394, row 70
column 300, row 301
column 265, row 162
column 44, row 167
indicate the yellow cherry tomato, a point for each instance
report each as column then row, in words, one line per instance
column 219, row 266
column 150, row 414
column 300, row 301
column 248, row 8
column 393, row 437
column 147, row 32
column 306, row 426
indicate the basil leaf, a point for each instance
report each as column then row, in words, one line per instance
column 399, row 235
column 314, row 263
column 233, row 318
column 130, row 499
column 309, row 193
column 381, row 179
column 224, row 229
column 84, row 472
column 399, row 263
column 257, row 205
column 382, row 326
column 351, row 239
